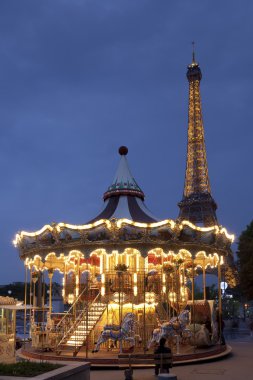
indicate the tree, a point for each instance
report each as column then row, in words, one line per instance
column 15, row 290
column 245, row 256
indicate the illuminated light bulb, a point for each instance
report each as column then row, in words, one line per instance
column 70, row 298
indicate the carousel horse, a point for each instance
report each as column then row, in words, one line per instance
column 118, row 333
column 200, row 335
column 168, row 330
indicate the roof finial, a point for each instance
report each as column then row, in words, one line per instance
column 123, row 150
column 193, row 52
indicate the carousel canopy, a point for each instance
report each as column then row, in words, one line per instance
column 124, row 222
column 124, row 198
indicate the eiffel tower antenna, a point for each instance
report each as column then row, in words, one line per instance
column 193, row 52
column 197, row 204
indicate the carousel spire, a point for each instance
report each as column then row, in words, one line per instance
column 124, row 182
column 124, row 198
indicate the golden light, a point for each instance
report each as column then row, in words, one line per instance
column 172, row 225
column 150, row 297
column 71, row 298
column 172, row 296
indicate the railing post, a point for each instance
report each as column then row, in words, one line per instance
column 87, row 320
column 144, row 315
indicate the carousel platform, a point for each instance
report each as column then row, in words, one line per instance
column 114, row 360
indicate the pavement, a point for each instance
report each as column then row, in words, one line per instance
column 236, row 366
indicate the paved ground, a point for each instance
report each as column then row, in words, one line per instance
column 238, row 366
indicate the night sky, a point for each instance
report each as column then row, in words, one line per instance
column 79, row 78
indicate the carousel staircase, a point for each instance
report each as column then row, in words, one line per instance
column 79, row 332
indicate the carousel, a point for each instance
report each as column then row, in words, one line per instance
column 127, row 277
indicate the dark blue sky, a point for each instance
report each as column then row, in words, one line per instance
column 80, row 78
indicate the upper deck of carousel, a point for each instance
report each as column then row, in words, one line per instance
column 124, row 222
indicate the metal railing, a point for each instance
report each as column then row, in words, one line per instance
column 70, row 309
column 81, row 317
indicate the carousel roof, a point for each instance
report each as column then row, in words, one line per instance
column 124, row 222
column 124, row 198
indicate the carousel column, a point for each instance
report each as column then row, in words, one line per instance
column 173, row 291
column 77, row 275
column 165, row 290
column 34, row 280
column 219, row 302
column 144, row 313
column 87, row 317
column 120, row 284
column 64, row 284
column 14, row 318
column 144, row 307
column 50, row 276
column 178, row 285
column 168, row 277
column 30, row 300
column 204, row 279
column 164, row 285
column 119, row 274
column 39, row 290
column 39, row 286
column 193, row 299
column 184, row 284
column 25, row 300
column 169, row 284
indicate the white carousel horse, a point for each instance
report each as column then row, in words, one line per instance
column 118, row 333
column 200, row 335
column 167, row 330
column 179, row 323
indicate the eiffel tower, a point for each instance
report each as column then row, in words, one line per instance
column 197, row 205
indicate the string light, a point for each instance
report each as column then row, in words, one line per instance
column 218, row 230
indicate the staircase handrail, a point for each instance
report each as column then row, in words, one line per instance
column 88, row 335
column 72, row 306
column 82, row 314
column 75, row 324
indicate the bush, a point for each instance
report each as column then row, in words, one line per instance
column 26, row 368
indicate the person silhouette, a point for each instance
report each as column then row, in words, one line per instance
column 161, row 349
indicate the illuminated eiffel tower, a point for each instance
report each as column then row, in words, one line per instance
column 197, row 204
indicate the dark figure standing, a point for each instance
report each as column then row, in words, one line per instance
column 161, row 349
column 221, row 325
column 251, row 328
